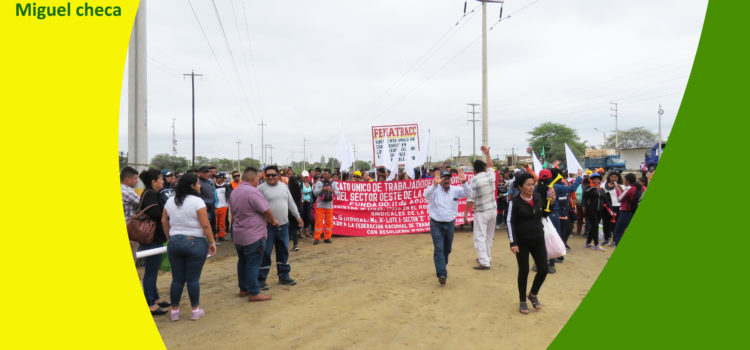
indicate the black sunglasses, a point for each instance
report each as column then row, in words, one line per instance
column 271, row 175
column 235, row 176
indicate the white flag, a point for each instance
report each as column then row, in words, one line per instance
column 571, row 161
column 409, row 166
column 420, row 159
column 424, row 152
column 389, row 164
column 344, row 153
column 537, row 163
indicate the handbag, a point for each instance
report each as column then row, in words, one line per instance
column 141, row 227
column 552, row 240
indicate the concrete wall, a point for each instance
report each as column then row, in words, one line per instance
column 633, row 157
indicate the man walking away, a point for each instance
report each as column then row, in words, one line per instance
column 482, row 200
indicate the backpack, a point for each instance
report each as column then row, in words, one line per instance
column 141, row 227
column 326, row 196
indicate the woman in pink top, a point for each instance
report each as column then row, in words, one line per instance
column 628, row 204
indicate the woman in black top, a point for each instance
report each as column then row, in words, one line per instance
column 154, row 183
column 526, row 233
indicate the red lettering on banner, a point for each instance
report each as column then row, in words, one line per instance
column 385, row 208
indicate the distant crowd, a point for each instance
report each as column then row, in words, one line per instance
column 262, row 209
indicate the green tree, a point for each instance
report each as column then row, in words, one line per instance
column 165, row 161
column 123, row 160
column 638, row 137
column 244, row 163
column 362, row 165
column 552, row 137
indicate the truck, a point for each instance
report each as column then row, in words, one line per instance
column 613, row 162
column 652, row 157
column 608, row 159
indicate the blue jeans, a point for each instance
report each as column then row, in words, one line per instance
column 554, row 216
column 248, row 265
column 151, row 271
column 277, row 237
column 442, row 240
column 186, row 255
column 623, row 220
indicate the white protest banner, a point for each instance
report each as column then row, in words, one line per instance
column 396, row 141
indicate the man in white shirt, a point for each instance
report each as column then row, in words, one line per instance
column 442, row 204
column 482, row 200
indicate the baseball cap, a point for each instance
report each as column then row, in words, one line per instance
column 593, row 175
column 545, row 174
column 357, row 173
column 203, row 169
column 445, row 173
column 305, row 173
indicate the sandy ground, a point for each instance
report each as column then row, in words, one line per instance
column 382, row 293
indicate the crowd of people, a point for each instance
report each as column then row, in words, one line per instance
column 263, row 209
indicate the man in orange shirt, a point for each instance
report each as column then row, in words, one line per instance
column 235, row 179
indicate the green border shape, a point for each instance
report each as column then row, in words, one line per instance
column 673, row 283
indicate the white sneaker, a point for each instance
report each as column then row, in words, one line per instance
column 196, row 314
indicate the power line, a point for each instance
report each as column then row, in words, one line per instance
column 424, row 58
column 210, row 47
column 231, row 55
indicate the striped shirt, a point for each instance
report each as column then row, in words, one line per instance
column 130, row 201
column 483, row 191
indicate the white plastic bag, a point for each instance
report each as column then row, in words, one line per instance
column 555, row 245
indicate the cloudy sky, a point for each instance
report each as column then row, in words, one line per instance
column 310, row 69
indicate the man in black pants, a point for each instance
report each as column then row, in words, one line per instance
column 592, row 205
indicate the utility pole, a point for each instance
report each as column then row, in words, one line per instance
column 354, row 150
column 251, row 155
column 238, row 154
column 304, row 153
column 617, row 136
column 658, row 146
column 174, row 140
column 267, row 147
column 451, row 153
column 458, row 157
column 429, row 156
column 485, row 113
column 513, row 156
column 137, row 84
column 473, row 122
column 192, row 83
column 262, row 142
column 604, row 136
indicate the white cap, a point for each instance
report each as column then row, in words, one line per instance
column 305, row 173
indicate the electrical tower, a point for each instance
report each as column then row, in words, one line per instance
column 473, row 121
column 617, row 136
column 174, row 140
column 262, row 144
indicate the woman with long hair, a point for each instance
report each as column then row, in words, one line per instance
column 612, row 191
column 185, row 219
column 526, row 233
column 628, row 204
column 151, row 199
